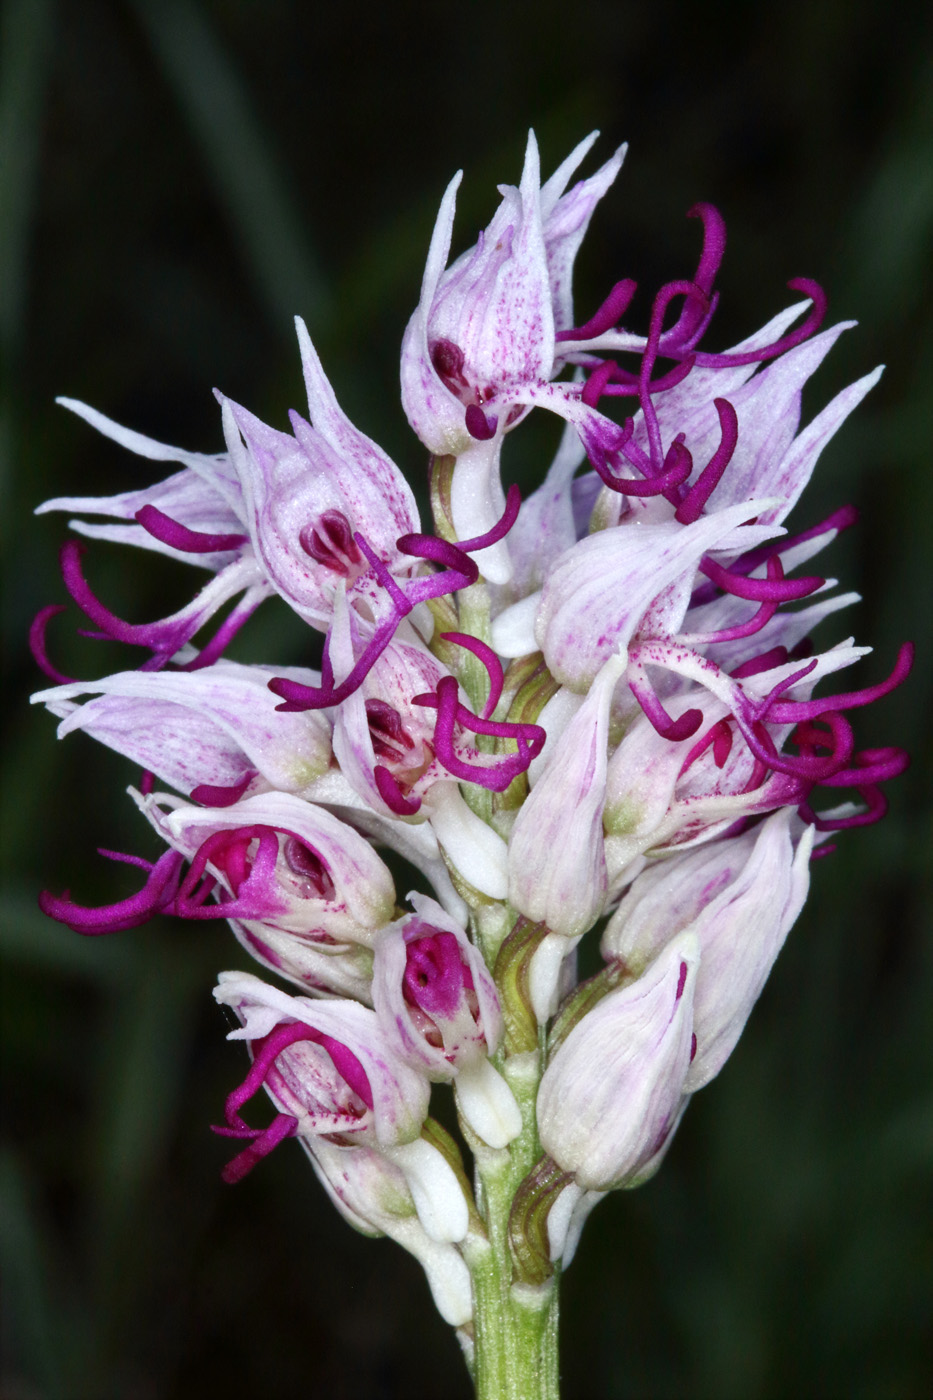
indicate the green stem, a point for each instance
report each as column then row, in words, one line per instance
column 515, row 1323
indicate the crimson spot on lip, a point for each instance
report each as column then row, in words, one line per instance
column 330, row 541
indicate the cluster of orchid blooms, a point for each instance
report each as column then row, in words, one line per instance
column 593, row 702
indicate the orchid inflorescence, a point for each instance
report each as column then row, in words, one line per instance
column 594, row 704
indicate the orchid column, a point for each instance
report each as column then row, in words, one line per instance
column 594, row 709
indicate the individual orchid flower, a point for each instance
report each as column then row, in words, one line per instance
column 488, row 322
column 739, row 898
column 440, row 1010
column 309, row 493
column 307, row 505
column 407, row 728
column 352, row 649
column 663, row 795
column 610, row 1097
column 331, row 1074
column 315, row 860
column 304, row 893
column 486, row 326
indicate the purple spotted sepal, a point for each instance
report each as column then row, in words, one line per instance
column 487, row 323
column 214, row 734
column 486, row 328
column 440, row 1010
column 310, row 493
column 738, row 898
column 611, row 1096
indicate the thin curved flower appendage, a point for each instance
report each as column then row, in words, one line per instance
column 603, row 702
column 156, row 895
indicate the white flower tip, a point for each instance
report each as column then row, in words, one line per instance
column 544, row 976
column 435, row 1190
column 530, row 187
column 559, row 1217
column 488, row 1104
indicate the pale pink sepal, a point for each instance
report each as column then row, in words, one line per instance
column 610, row 1097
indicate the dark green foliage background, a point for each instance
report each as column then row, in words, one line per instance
column 178, row 179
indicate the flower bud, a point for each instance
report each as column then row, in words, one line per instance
column 331, row 1074
column 609, row 1099
column 739, row 899
column 557, row 867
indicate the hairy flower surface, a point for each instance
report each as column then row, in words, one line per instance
column 599, row 705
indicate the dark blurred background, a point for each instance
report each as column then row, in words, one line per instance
column 178, row 179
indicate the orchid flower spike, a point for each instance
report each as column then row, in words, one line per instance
column 599, row 705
